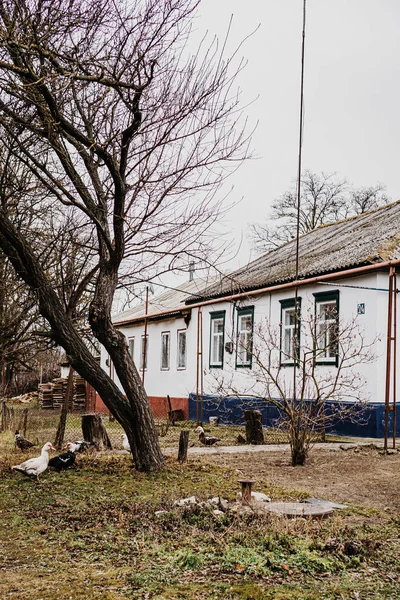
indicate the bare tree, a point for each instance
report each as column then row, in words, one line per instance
column 104, row 111
column 315, row 395
column 324, row 199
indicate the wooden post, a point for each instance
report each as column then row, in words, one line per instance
column 254, row 432
column 95, row 432
column 183, row 445
column 24, row 426
column 6, row 414
column 246, row 490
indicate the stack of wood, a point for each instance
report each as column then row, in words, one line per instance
column 59, row 387
column 46, row 395
column 52, row 394
column 79, row 399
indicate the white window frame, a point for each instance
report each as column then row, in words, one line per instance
column 326, row 329
column 289, row 345
column 244, row 346
column 217, row 340
column 181, row 364
column 165, row 335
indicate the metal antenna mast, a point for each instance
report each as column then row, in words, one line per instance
column 296, row 307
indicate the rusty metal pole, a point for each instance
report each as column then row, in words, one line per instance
column 197, row 364
column 394, row 355
column 388, row 356
column 144, row 358
column 201, row 367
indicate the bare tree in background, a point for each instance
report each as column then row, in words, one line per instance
column 324, row 199
column 104, row 111
column 320, row 393
column 22, row 353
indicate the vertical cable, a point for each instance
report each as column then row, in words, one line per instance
column 296, row 307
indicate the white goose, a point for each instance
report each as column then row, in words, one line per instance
column 36, row 466
column 125, row 442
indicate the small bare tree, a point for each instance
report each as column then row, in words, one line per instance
column 308, row 395
column 324, row 199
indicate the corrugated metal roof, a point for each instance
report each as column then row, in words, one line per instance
column 368, row 238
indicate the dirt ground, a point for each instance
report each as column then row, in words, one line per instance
column 329, row 474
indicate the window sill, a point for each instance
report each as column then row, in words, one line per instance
column 333, row 362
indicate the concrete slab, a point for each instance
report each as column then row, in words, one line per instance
column 299, row 509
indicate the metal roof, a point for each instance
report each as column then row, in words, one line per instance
column 368, row 238
column 171, row 301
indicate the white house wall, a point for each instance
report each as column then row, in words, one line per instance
column 372, row 325
column 180, row 382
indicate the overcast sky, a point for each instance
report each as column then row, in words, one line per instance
column 352, row 103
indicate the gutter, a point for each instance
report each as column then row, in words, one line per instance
column 266, row 290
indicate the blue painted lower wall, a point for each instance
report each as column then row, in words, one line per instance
column 230, row 412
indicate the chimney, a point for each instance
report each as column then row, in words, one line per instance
column 191, row 271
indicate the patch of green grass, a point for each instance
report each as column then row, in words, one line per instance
column 92, row 532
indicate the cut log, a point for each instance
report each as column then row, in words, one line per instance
column 183, row 445
column 94, row 431
column 176, row 415
column 254, row 432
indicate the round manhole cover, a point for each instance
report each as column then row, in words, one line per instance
column 296, row 509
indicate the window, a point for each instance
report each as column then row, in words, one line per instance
column 217, row 337
column 181, row 362
column 131, row 347
column 290, row 330
column 144, row 352
column 244, row 347
column 326, row 327
column 165, row 350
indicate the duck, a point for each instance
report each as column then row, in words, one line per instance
column 206, row 440
column 65, row 460
column 36, row 466
column 125, row 442
column 82, row 445
column 21, row 442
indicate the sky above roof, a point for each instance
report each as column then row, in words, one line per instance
column 352, row 86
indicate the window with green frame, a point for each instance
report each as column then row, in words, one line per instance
column 217, row 339
column 244, row 336
column 290, row 330
column 326, row 344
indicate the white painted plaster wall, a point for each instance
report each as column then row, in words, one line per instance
column 179, row 383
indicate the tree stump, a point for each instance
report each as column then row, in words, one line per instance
column 254, row 432
column 95, row 432
column 183, row 445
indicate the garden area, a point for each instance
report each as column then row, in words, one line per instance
column 101, row 530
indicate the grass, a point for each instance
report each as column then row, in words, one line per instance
column 92, row 532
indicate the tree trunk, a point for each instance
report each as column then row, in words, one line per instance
column 183, row 445
column 94, row 431
column 298, row 449
column 254, row 432
column 135, row 414
column 132, row 409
